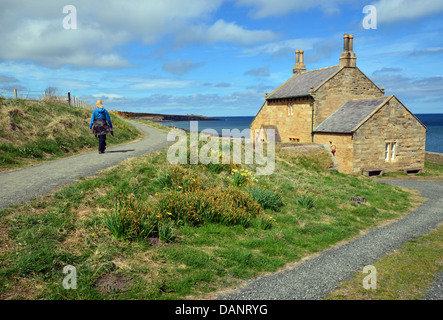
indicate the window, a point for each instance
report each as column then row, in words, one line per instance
column 390, row 151
column 290, row 109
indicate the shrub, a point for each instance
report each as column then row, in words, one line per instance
column 227, row 206
column 267, row 199
column 131, row 219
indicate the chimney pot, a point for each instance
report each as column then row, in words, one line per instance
column 347, row 57
column 351, row 42
column 346, row 42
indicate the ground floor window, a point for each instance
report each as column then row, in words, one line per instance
column 390, row 151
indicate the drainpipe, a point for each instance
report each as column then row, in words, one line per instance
column 312, row 116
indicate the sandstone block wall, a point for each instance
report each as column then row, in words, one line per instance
column 434, row 157
column 344, row 154
column 347, row 84
column 295, row 125
column 392, row 123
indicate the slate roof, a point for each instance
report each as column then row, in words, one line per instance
column 300, row 85
column 346, row 118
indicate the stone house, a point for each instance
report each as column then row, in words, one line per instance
column 340, row 106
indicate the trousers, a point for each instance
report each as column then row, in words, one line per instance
column 102, row 142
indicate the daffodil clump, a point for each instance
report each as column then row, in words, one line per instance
column 242, row 177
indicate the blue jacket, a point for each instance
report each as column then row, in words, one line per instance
column 100, row 113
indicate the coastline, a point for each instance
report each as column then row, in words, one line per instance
column 157, row 117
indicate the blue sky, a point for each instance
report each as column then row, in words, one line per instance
column 217, row 57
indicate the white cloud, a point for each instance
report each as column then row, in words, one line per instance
column 222, row 31
column 108, row 96
column 278, row 48
column 267, row 8
column 34, row 30
column 390, row 11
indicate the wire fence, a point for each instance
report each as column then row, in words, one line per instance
column 69, row 99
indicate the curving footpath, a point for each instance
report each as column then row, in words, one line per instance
column 22, row 185
column 316, row 277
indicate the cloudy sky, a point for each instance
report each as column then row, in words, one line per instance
column 213, row 57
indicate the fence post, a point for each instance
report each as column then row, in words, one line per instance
column 15, row 94
column 69, row 98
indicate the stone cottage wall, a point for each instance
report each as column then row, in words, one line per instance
column 347, row 84
column 393, row 122
column 344, row 153
column 296, row 125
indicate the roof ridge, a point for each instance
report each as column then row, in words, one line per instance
column 321, row 68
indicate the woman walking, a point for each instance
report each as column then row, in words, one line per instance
column 102, row 125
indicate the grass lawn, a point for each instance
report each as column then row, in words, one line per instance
column 405, row 274
column 149, row 230
column 432, row 171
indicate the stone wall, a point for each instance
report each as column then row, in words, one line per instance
column 346, row 84
column 344, row 153
column 391, row 123
column 434, row 157
column 295, row 125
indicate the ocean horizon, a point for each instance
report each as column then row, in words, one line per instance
column 239, row 127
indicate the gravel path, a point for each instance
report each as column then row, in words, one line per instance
column 26, row 184
column 316, row 277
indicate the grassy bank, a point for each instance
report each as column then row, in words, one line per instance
column 405, row 274
column 36, row 131
column 149, row 230
column 432, row 171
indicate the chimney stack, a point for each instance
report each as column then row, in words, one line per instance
column 348, row 57
column 299, row 67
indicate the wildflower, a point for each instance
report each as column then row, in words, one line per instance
column 169, row 213
column 93, row 234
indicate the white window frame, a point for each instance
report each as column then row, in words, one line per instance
column 290, row 109
column 390, row 150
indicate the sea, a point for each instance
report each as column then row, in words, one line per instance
column 434, row 123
